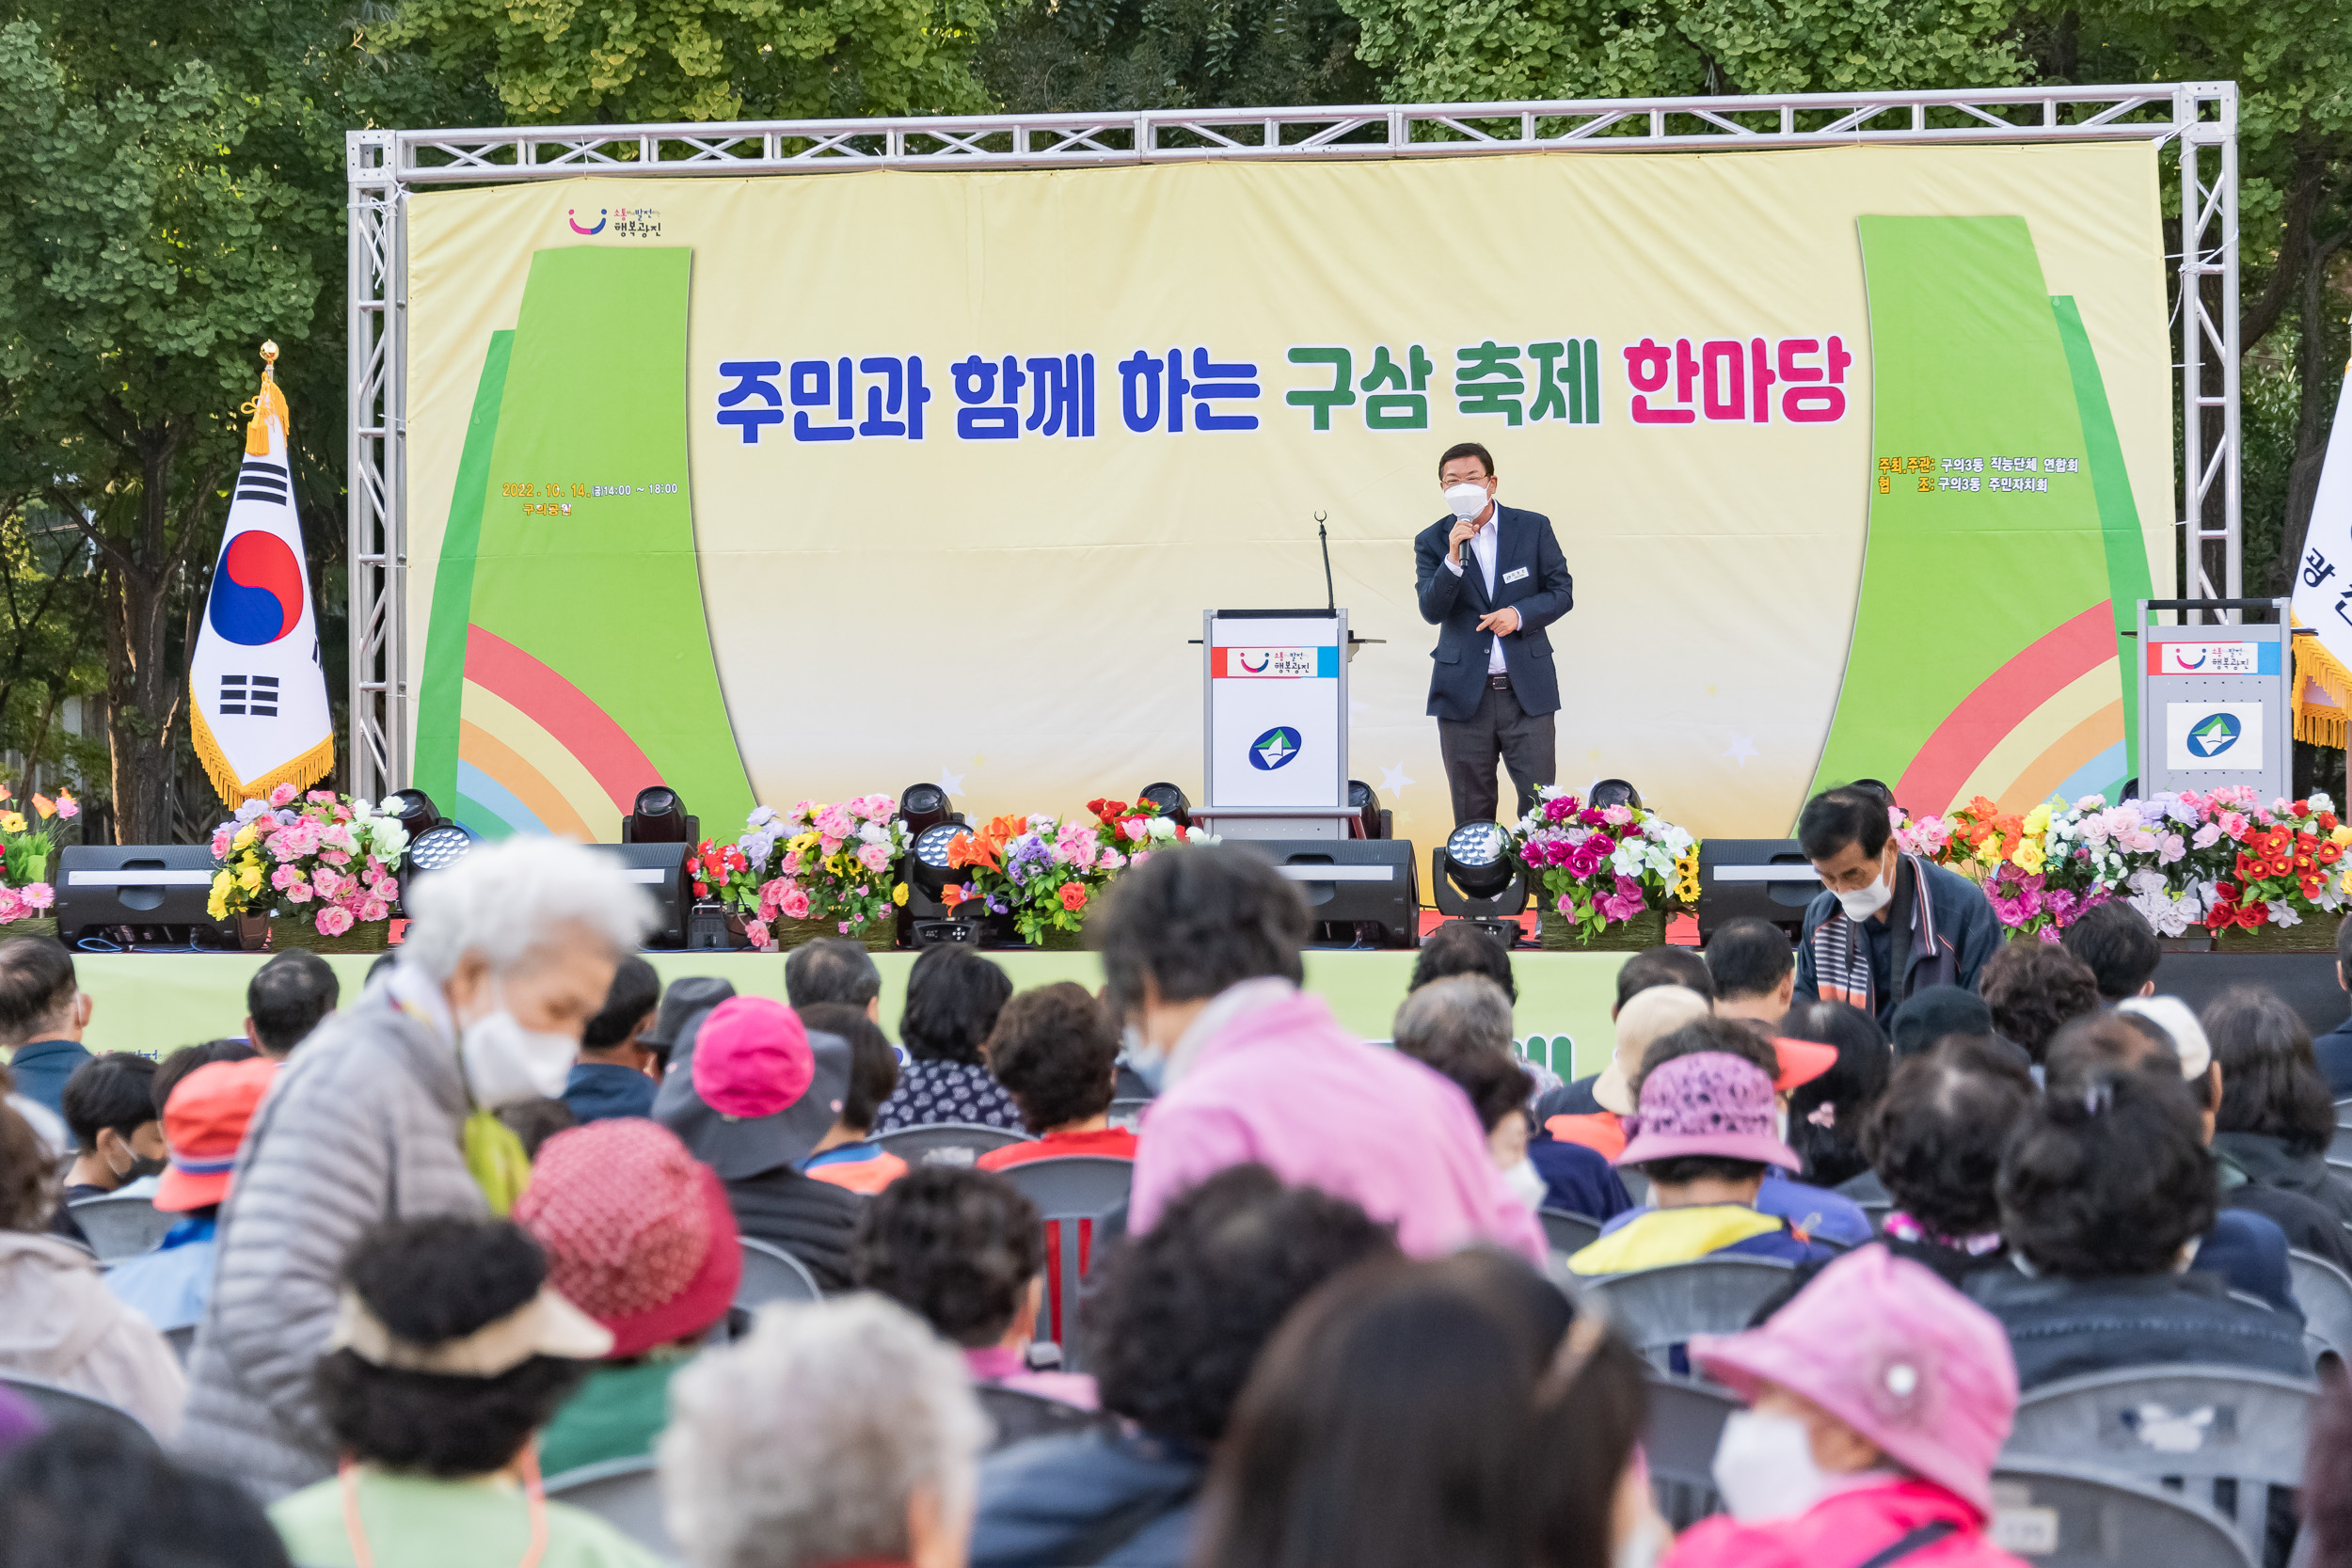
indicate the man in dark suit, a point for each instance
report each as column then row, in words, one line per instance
column 1491, row 579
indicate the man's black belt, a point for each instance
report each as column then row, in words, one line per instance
column 1498, row 683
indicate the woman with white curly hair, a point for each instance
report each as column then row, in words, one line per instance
column 837, row 1433
column 388, row 1112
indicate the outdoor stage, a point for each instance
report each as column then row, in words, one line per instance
column 155, row 1003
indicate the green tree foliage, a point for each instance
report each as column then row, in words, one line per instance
column 600, row 61
column 1453, row 51
column 1088, row 56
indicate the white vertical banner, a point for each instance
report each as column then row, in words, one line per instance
column 2323, row 594
column 258, row 709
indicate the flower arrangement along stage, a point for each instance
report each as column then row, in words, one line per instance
column 817, row 870
column 26, row 847
column 2252, row 875
column 1040, row 874
column 1606, row 877
column 322, row 864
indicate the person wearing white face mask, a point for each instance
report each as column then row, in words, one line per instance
column 1887, row 923
column 388, row 1113
column 1878, row 1401
column 1491, row 577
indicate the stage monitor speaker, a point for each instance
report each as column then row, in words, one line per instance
column 1360, row 882
column 660, row 870
column 154, row 892
column 1766, row 878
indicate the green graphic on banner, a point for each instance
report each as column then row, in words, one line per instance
column 1983, row 656
column 586, row 666
column 441, row 693
column 2128, row 580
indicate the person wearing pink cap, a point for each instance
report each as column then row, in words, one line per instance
column 204, row 1122
column 640, row 1236
column 1878, row 1402
column 752, row 1092
column 1704, row 1134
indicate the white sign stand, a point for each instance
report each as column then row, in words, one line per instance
column 1274, row 685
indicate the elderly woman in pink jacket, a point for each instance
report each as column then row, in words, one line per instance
column 1878, row 1401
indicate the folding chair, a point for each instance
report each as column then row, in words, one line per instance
column 625, row 1494
column 1018, row 1416
column 947, row 1143
column 772, row 1274
column 65, row 1407
column 1658, row 1310
column 1128, row 1114
column 2325, row 1292
column 1071, row 1188
column 1686, row 1422
column 2061, row 1515
column 1876, row 1213
column 119, row 1226
column 2221, row 1435
column 1566, row 1231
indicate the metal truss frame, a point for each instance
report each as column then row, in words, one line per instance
column 385, row 165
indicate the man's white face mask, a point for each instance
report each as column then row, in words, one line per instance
column 1468, row 500
column 1862, row 903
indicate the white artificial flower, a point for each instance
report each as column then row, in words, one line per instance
column 388, row 837
column 760, row 817
column 1163, row 829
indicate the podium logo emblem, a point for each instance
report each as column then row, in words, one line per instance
column 1279, row 744
column 2212, row 734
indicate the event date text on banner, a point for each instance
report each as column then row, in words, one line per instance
column 1003, row 396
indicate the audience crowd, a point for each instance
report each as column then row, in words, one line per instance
column 429, row 1256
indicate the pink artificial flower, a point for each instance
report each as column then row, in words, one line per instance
column 327, row 882
column 760, row 936
column 68, row 807
column 321, row 796
column 828, row 846
column 842, row 926
column 36, row 895
column 222, row 837
column 1617, row 817
column 791, row 862
column 2234, row 824
column 874, row 857
column 298, row 893
column 334, row 921
column 1110, row 859
column 389, row 890
column 1566, row 906
column 835, row 823
column 795, row 905
column 2170, row 848
column 284, row 878
column 2137, row 840
column 282, row 795
column 9, row 907
column 374, row 909
column 2207, row 836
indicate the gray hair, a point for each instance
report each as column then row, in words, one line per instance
column 502, row 899
column 1457, row 1010
column 802, row 1444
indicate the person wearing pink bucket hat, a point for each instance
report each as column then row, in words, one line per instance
column 1879, row 1398
column 1704, row 1134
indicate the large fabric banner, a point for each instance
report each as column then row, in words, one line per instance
column 817, row 485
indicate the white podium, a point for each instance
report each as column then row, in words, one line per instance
column 1274, row 685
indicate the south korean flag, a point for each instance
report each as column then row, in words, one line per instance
column 258, row 694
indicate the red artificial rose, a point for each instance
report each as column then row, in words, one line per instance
column 1073, row 897
column 2302, row 808
column 702, row 890
column 2313, row 885
column 2327, row 854
column 2327, row 820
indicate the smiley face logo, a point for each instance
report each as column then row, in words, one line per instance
column 571, row 215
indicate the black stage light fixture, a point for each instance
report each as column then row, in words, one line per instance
column 923, row 806
column 414, row 810
column 1371, row 820
column 1171, row 802
column 929, row 921
column 1614, row 792
column 1763, row 878
column 438, row 849
column 659, row 816
column 1476, row 880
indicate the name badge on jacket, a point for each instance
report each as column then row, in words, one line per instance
column 1514, row 574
